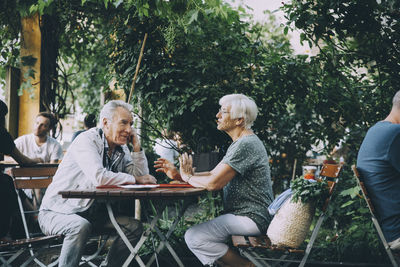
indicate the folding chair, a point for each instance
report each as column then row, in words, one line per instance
column 371, row 208
column 34, row 178
column 37, row 178
column 248, row 245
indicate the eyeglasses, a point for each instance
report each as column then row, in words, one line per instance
column 223, row 111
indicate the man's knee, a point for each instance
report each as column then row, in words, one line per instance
column 82, row 228
column 78, row 226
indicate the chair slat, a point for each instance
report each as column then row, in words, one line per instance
column 240, row 241
column 363, row 189
column 33, row 172
column 260, row 241
column 27, row 242
column 32, row 183
column 331, row 170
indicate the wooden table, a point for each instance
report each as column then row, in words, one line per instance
column 9, row 164
column 160, row 193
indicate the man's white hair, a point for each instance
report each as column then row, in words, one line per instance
column 109, row 109
column 396, row 100
column 241, row 107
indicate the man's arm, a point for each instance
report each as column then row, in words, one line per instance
column 137, row 164
column 57, row 152
column 86, row 153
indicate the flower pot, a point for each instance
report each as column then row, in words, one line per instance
column 291, row 224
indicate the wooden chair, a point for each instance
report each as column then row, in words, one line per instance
column 371, row 208
column 249, row 245
column 35, row 179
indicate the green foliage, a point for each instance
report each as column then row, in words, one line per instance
column 198, row 51
column 308, row 191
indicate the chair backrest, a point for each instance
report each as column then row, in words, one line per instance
column 364, row 191
column 331, row 173
column 32, row 178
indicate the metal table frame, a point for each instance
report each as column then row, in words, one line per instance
column 156, row 193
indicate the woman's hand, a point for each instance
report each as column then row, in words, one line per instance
column 167, row 167
column 186, row 169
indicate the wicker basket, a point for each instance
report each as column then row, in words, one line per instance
column 291, row 224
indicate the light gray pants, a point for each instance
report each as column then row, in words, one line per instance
column 77, row 229
column 208, row 240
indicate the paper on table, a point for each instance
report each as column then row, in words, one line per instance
column 139, row 186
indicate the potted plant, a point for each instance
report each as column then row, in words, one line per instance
column 291, row 223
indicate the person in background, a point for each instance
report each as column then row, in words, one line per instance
column 99, row 156
column 89, row 122
column 167, row 147
column 244, row 176
column 378, row 162
column 39, row 144
column 8, row 197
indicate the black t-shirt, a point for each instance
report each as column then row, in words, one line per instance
column 6, row 142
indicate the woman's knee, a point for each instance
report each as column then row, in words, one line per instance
column 194, row 238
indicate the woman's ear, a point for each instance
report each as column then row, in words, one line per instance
column 239, row 121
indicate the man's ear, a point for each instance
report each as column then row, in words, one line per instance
column 105, row 122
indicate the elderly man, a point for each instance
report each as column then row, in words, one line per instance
column 96, row 157
column 39, row 144
column 379, row 163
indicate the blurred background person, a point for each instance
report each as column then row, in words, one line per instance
column 167, row 146
column 88, row 122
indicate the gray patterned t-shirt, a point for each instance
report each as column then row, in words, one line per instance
column 249, row 193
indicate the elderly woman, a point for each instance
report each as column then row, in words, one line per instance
column 244, row 176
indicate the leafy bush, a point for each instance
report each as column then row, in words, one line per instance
column 309, row 191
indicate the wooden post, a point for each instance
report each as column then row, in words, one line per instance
column 29, row 102
column 294, row 169
column 137, row 68
column 138, row 209
column 13, row 78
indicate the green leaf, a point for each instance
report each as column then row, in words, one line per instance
column 285, row 30
column 194, row 16
column 348, row 203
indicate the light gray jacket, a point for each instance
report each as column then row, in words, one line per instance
column 82, row 168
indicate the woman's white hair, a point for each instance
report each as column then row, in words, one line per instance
column 241, row 107
column 108, row 110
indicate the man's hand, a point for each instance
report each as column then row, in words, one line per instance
column 146, row 179
column 134, row 139
column 167, row 167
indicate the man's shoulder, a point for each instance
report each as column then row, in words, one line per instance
column 384, row 131
column 88, row 136
column 24, row 138
column 52, row 140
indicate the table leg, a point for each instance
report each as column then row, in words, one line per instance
column 164, row 238
column 143, row 238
